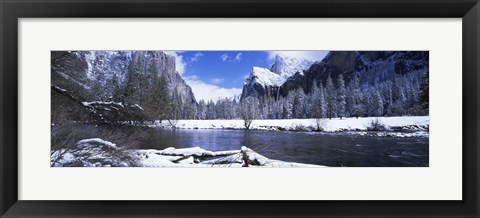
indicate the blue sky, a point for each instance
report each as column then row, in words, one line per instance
column 219, row 74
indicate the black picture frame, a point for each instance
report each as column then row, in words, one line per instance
column 12, row 10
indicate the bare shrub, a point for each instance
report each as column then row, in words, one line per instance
column 173, row 123
column 376, row 125
column 65, row 146
column 298, row 127
column 247, row 123
column 92, row 154
column 247, row 112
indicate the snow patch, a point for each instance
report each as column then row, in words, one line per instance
column 416, row 125
column 73, row 80
column 95, row 155
column 264, row 77
column 287, row 66
column 195, row 151
column 283, row 69
column 85, row 103
column 85, row 142
column 89, row 58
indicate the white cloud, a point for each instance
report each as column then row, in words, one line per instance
column 180, row 64
column 193, row 77
column 310, row 55
column 225, row 57
column 207, row 91
column 216, row 81
column 238, row 57
column 203, row 90
column 196, row 57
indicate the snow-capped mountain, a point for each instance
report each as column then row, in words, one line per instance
column 103, row 65
column 287, row 66
column 264, row 77
column 262, row 80
column 99, row 72
column 370, row 66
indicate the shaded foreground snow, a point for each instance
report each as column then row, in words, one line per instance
column 99, row 153
column 411, row 124
column 92, row 152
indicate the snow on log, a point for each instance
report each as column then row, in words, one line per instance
column 95, row 152
column 89, row 142
column 195, row 151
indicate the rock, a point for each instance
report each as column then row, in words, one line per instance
column 112, row 76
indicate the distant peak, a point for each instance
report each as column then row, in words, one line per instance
column 287, row 66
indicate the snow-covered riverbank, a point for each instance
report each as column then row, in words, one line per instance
column 100, row 153
column 96, row 152
column 411, row 123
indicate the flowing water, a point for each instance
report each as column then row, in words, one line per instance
column 330, row 149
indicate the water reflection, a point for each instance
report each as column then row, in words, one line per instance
column 331, row 149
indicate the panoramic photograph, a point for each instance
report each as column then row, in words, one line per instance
column 239, row 108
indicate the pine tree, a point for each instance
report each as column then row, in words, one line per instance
column 132, row 88
column 288, row 106
column 398, row 95
column 367, row 102
column 424, row 92
column 331, row 98
column 322, row 103
column 202, row 110
column 176, row 106
column 341, row 96
column 211, row 115
column 160, row 100
column 318, row 102
column 354, row 97
column 387, row 96
column 298, row 103
column 378, row 103
column 311, row 101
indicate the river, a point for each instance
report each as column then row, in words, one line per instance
column 329, row 149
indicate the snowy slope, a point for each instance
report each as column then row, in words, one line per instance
column 283, row 68
column 262, row 79
column 287, row 66
column 99, row 75
column 103, row 65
